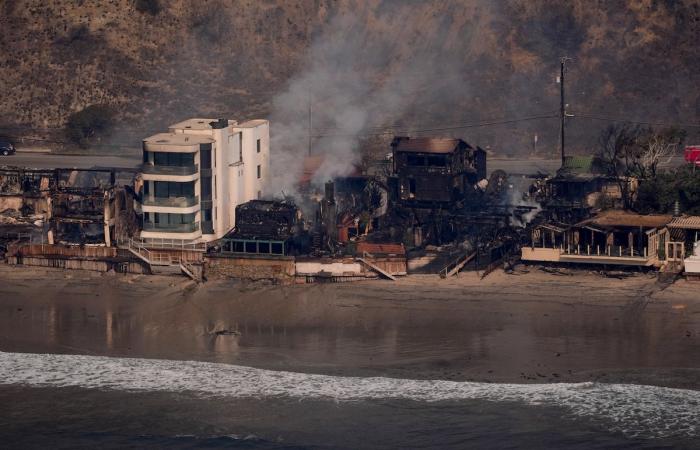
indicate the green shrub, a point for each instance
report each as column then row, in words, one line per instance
column 86, row 125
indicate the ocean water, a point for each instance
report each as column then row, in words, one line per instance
column 87, row 401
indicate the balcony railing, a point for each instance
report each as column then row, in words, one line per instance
column 173, row 202
column 169, row 170
column 171, row 228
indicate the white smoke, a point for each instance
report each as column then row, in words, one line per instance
column 356, row 85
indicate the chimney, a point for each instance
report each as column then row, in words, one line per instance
column 330, row 192
column 219, row 124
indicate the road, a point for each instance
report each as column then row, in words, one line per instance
column 548, row 166
column 48, row 160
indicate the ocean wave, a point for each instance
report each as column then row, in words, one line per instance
column 635, row 410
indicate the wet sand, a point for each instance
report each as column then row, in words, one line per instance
column 533, row 327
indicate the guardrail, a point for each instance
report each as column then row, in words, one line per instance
column 168, row 244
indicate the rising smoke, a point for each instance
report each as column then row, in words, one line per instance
column 356, row 86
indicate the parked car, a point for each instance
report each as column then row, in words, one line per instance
column 6, row 147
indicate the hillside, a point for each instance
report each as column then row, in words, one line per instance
column 361, row 64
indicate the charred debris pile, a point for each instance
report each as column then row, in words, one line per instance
column 66, row 206
column 432, row 196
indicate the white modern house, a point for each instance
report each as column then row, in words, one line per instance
column 196, row 174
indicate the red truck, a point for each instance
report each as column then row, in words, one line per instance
column 692, row 154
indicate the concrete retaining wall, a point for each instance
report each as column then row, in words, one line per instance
column 251, row 267
column 96, row 265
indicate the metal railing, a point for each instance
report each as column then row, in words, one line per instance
column 169, row 170
column 174, row 202
column 160, row 258
column 170, row 244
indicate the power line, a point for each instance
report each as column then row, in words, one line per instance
column 446, row 128
column 636, row 122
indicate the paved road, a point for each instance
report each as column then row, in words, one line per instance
column 49, row 161
column 44, row 161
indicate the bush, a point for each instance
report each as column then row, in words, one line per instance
column 212, row 24
column 83, row 126
column 151, row 7
column 659, row 194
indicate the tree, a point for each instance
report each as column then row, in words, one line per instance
column 628, row 151
column 83, row 126
column 660, row 193
column 618, row 149
column 656, row 148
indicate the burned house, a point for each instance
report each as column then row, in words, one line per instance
column 263, row 227
column 91, row 206
column 432, row 171
column 578, row 188
column 72, row 206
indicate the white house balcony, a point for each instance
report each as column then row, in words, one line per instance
column 170, row 202
column 151, row 169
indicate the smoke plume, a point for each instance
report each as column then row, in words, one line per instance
column 357, row 88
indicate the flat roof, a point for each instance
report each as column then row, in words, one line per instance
column 252, row 123
column 197, row 124
column 177, row 139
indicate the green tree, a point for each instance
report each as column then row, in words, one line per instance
column 659, row 194
column 85, row 126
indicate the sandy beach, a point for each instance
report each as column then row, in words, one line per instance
column 531, row 327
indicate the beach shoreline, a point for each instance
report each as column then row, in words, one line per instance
column 530, row 327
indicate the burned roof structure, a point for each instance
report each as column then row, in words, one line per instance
column 578, row 187
column 265, row 219
column 262, row 227
column 435, row 170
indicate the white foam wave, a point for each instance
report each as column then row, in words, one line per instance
column 637, row 411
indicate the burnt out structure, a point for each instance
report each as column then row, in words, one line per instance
column 71, row 206
column 263, row 227
column 577, row 189
column 435, row 171
column 92, row 206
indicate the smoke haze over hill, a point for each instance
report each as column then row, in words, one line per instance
column 361, row 65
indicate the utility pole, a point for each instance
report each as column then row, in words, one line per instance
column 563, row 105
column 310, row 137
column 562, row 109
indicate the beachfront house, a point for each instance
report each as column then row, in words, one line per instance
column 195, row 175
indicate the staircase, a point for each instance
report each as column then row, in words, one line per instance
column 162, row 262
column 456, row 265
column 432, row 262
column 376, row 269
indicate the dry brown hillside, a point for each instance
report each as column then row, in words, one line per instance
column 435, row 62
